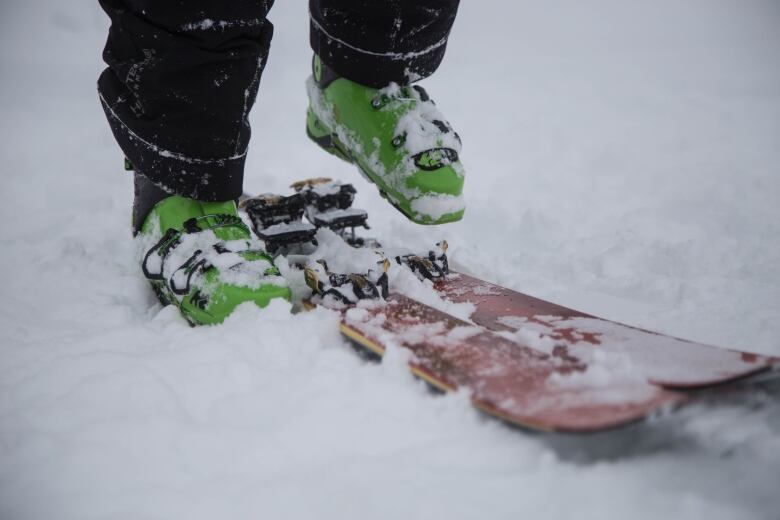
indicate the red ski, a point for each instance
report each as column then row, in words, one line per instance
column 519, row 384
column 663, row 360
column 525, row 360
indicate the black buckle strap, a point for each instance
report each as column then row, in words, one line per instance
column 169, row 240
column 190, row 267
column 172, row 238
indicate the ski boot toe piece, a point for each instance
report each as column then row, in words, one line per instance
column 398, row 139
column 205, row 261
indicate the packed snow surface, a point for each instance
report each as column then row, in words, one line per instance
column 622, row 159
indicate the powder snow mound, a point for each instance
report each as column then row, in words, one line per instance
column 623, row 161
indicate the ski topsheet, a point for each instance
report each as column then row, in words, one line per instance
column 662, row 359
column 525, row 360
column 521, row 385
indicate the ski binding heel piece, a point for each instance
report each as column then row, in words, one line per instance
column 278, row 221
column 328, row 204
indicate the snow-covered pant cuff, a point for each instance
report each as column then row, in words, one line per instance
column 180, row 82
column 210, row 180
column 376, row 43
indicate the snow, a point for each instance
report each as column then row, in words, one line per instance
column 337, row 214
column 326, row 187
column 283, row 227
column 662, row 359
column 208, row 23
column 622, row 160
column 417, row 125
column 436, row 206
column 197, row 248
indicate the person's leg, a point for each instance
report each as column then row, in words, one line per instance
column 375, row 43
column 181, row 79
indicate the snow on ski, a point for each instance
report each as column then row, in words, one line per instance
column 516, row 383
column 662, row 359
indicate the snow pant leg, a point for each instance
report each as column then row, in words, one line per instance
column 181, row 79
column 376, row 42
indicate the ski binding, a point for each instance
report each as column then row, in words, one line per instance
column 278, row 221
column 347, row 289
column 433, row 267
column 328, row 204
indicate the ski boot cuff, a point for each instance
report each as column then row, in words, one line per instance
column 147, row 195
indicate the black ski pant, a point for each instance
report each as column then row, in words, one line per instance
column 182, row 75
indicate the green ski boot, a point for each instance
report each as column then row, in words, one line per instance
column 396, row 136
column 201, row 257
